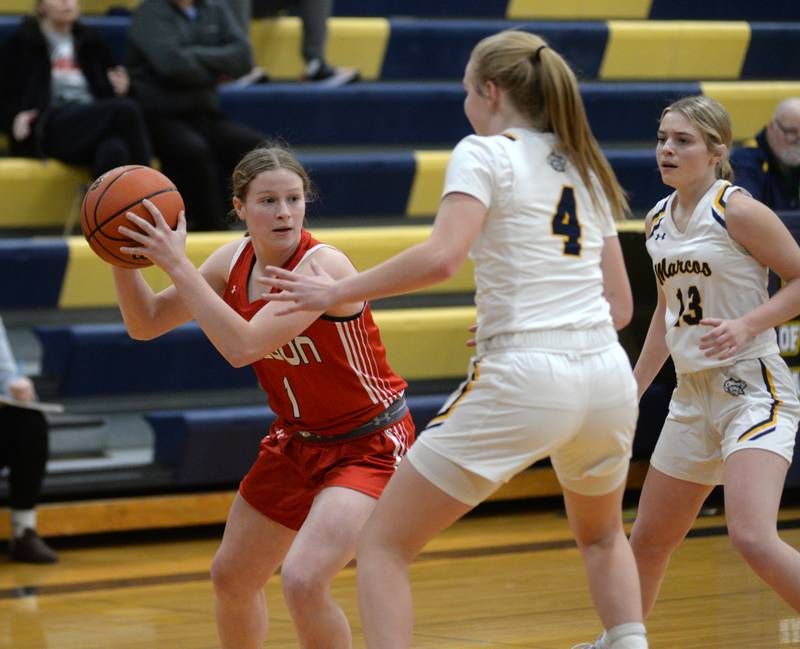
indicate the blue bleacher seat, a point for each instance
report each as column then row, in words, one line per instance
column 101, row 359
column 451, row 8
column 438, row 49
column 187, row 440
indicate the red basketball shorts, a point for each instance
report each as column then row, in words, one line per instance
column 289, row 472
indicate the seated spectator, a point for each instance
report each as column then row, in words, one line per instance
column 314, row 15
column 770, row 170
column 179, row 51
column 61, row 94
column 23, row 449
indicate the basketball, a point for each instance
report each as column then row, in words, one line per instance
column 117, row 192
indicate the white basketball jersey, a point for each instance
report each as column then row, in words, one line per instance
column 537, row 257
column 704, row 273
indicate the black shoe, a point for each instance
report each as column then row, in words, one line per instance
column 31, row 548
column 323, row 74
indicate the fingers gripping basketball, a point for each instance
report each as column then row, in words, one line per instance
column 117, row 192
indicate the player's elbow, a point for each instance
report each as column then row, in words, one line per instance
column 140, row 332
column 241, row 356
column 445, row 265
column 238, row 359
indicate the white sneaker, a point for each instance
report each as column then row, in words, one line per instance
column 597, row 644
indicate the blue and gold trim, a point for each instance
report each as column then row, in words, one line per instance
column 768, row 425
column 456, row 398
column 719, row 205
column 658, row 218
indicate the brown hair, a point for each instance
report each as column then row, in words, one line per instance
column 266, row 157
column 542, row 86
column 713, row 122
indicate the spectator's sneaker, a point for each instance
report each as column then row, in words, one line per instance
column 256, row 75
column 320, row 72
column 31, row 548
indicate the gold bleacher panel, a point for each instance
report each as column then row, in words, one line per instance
column 577, row 9
column 39, row 193
column 352, row 42
column 88, row 281
column 674, row 50
column 427, row 343
column 750, row 103
column 426, row 190
column 88, row 7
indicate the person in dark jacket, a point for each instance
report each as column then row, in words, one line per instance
column 24, row 450
column 770, row 170
column 62, row 96
column 179, row 51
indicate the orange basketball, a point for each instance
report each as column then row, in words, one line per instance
column 117, row 192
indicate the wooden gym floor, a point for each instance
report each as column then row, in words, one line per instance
column 506, row 576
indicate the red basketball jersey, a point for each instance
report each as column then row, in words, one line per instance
column 330, row 379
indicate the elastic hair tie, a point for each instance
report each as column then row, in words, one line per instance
column 537, row 55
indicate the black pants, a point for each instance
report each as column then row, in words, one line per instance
column 198, row 153
column 102, row 135
column 23, row 449
column 314, row 15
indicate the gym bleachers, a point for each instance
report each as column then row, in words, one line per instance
column 377, row 151
column 407, row 113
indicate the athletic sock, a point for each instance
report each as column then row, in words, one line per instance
column 22, row 519
column 631, row 635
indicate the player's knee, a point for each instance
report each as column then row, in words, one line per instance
column 752, row 544
column 648, row 541
column 226, row 578
column 599, row 539
column 375, row 546
column 302, row 584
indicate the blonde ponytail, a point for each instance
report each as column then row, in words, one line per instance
column 542, row 86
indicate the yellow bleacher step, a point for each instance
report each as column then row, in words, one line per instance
column 39, row 193
column 577, row 9
column 675, row 50
column 88, row 282
column 352, row 42
column 88, row 7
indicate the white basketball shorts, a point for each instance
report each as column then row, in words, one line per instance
column 569, row 395
column 751, row 404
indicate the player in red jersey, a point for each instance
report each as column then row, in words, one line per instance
column 342, row 424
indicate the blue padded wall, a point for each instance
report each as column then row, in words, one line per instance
column 401, row 113
column 361, row 184
column 431, row 49
column 218, row 446
column 32, row 271
column 630, row 111
column 774, row 52
column 638, row 174
column 101, row 359
column 358, row 114
column 113, row 29
column 725, row 10
column 459, row 8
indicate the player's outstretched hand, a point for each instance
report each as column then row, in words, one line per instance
column 157, row 241
column 300, row 292
column 725, row 338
